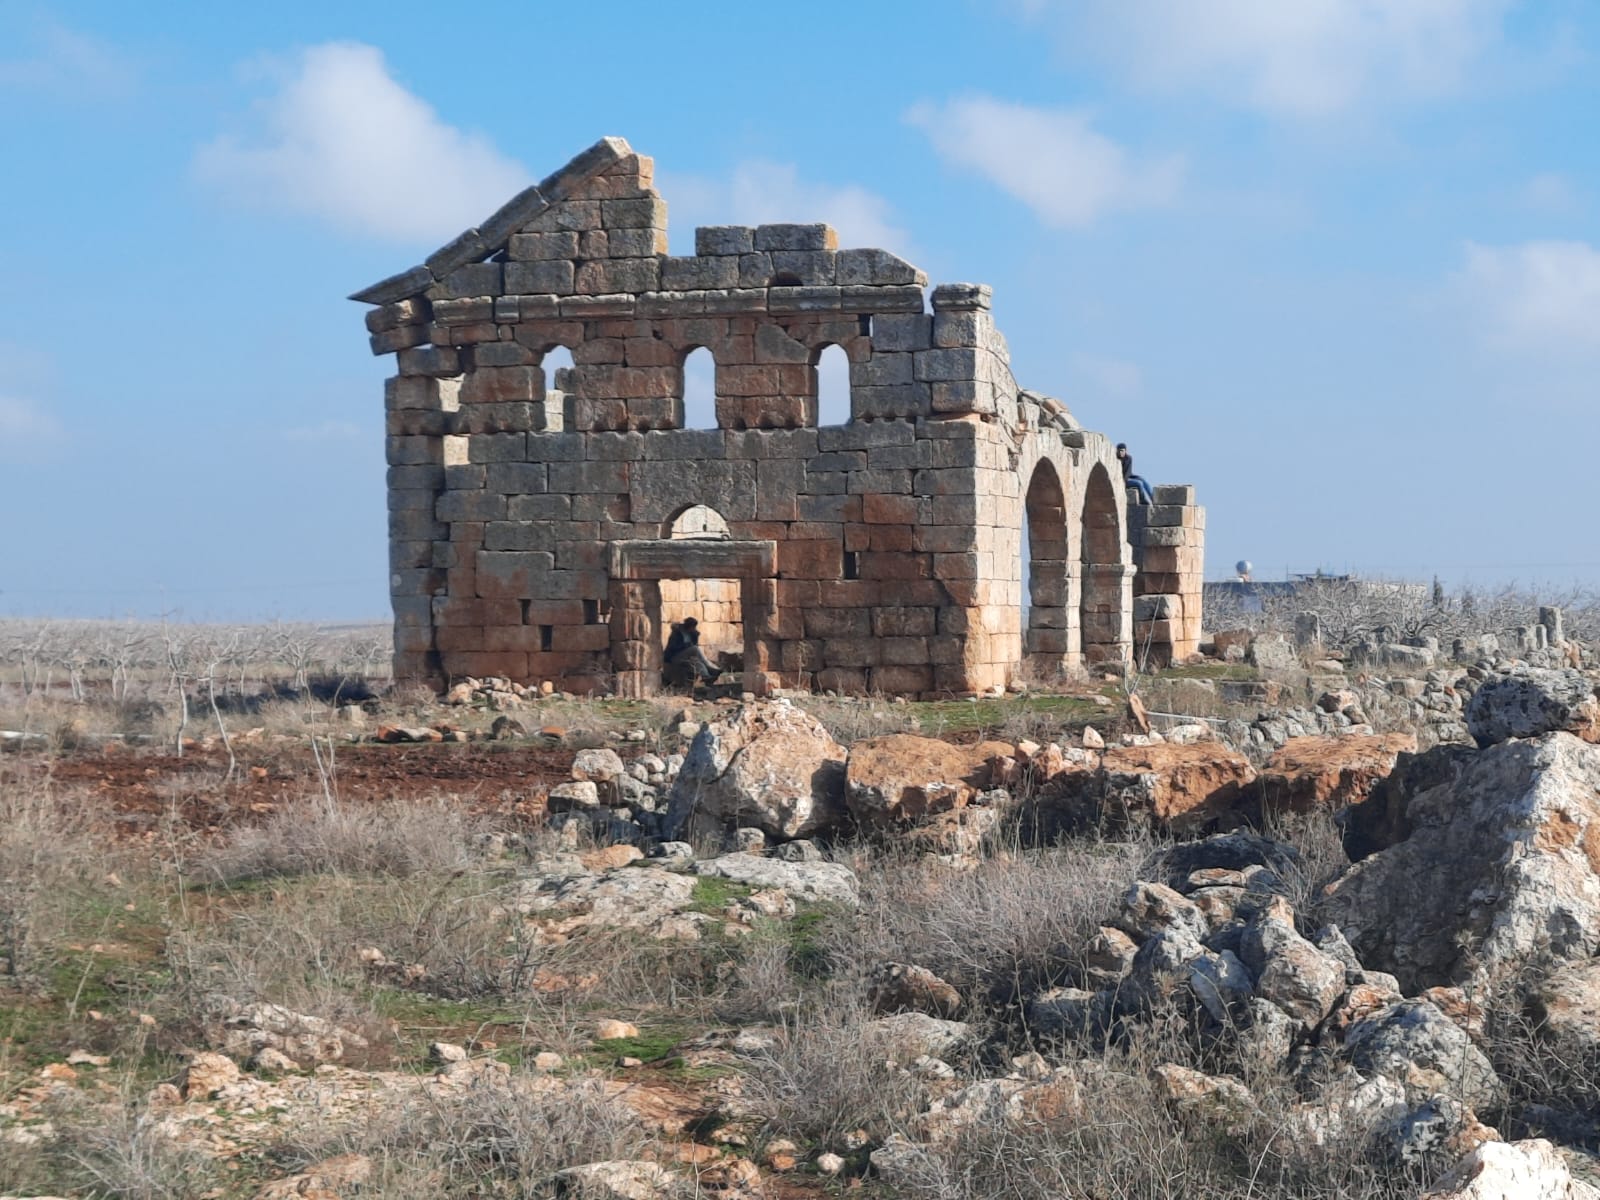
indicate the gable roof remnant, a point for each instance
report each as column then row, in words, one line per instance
column 490, row 236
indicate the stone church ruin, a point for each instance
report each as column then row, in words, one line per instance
column 957, row 534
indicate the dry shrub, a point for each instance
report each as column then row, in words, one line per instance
column 52, row 866
column 1553, row 1085
column 1126, row 1145
column 399, row 838
column 302, row 946
column 829, row 1075
column 1012, row 922
column 495, row 1136
column 1322, row 858
column 115, row 1150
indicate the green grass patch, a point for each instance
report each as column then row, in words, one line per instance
column 993, row 715
column 648, row 1047
column 1210, row 670
column 712, row 893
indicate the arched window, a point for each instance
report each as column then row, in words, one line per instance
column 699, row 521
column 833, row 386
column 699, row 390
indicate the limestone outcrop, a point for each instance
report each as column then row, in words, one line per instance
column 1501, row 869
column 769, row 765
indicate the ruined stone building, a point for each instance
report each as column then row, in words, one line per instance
column 958, row 532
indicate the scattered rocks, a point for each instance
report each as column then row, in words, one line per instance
column 617, row 1180
column 1528, row 1170
column 207, row 1074
column 902, row 987
column 810, row 881
column 1415, row 1044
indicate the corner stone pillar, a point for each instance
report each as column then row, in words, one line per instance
column 1169, row 539
column 1107, row 622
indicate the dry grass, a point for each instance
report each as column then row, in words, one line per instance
column 1013, row 922
column 498, row 1136
column 830, row 1076
column 324, row 836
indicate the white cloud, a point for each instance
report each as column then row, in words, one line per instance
column 1302, row 58
column 24, row 424
column 1052, row 160
column 760, row 192
column 342, row 140
column 1536, row 296
column 67, row 63
column 1550, row 192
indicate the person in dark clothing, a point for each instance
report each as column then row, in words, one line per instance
column 683, row 651
column 1129, row 479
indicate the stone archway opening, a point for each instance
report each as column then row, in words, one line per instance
column 1045, row 613
column 639, row 570
column 1105, row 614
column 714, row 603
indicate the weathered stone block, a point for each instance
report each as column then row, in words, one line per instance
column 858, row 299
column 612, row 275
column 492, row 385
column 796, row 237
column 402, row 337
column 513, row 573
column 819, row 298
column 421, row 392
column 471, row 506
column 517, row 478
column 497, row 447
column 686, row 274
column 724, row 239
column 876, row 267
column 951, row 296
column 646, row 213
column 473, row 279
column 537, row 247
column 430, row 360
column 553, row 276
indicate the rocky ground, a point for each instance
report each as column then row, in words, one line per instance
column 1236, row 932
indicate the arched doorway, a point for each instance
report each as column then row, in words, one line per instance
column 714, row 603
column 1045, row 612
column 1105, row 620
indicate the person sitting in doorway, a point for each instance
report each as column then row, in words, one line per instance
column 1129, row 479
column 683, row 657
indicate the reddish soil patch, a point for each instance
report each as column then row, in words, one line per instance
column 138, row 787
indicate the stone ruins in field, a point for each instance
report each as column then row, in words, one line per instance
column 550, row 529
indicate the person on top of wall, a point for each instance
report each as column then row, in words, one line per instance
column 1129, row 479
column 683, row 651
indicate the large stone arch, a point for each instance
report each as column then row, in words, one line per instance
column 1105, row 620
column 1046, row 579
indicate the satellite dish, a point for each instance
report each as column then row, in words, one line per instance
column 1243, row 566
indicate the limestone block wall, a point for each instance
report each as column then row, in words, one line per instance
column 539, row 525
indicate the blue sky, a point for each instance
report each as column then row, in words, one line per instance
column 1336, row 262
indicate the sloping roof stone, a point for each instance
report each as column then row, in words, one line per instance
column 491, row 235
